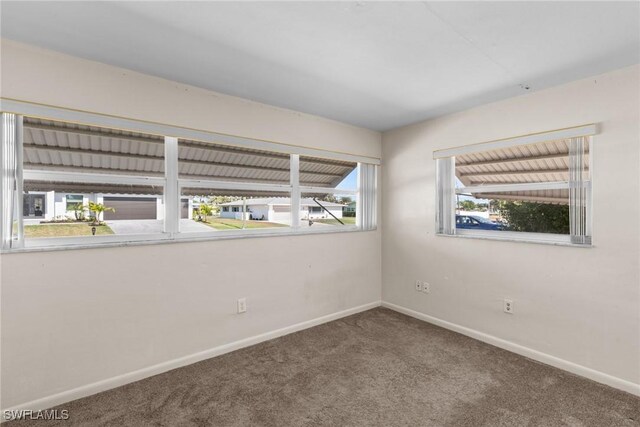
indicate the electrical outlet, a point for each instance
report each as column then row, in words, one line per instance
column 242, row 305
column 426, row 287
column 508, row 306
column 419, row 285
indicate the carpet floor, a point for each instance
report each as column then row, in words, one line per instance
column 376, row 368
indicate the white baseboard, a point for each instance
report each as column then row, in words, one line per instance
column 97, row 387
column 548, row 359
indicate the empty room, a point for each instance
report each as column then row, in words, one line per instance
column 319, row 213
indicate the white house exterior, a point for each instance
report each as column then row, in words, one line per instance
column 50, row 205
column 278, row 209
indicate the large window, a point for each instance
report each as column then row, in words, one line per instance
column 533, row 188
column 94, row 180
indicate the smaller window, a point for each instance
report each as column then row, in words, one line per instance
column 533, row 188
column 74, row 201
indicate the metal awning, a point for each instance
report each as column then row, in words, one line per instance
column 541, row 162
column 68, row 147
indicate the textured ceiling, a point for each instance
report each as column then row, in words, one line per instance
column 379, row 65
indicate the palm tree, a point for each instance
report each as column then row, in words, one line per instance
column 78, row 210
column 98, row 209
column 204, row 211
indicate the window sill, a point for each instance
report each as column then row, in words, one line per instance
column 74, row 243
column 519, row 237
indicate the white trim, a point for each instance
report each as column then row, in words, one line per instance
column 516, row 236
column 54, row 242
column 100, row 120
column 574, row 132
column 49, row 244
column 92, row 178
column 473, row 235
column 525, row 186
column 325, row 190
column 120, row 380
column 548, row 359
column 231, row 185
column 216, row 234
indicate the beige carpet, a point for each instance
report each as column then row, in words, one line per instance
column 377, row 368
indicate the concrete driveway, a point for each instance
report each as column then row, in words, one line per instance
column 153, row 226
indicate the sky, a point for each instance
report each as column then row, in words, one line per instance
column 350, row 182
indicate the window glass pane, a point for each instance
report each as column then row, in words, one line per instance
column 542, row 162
column 201, row 160
column 320, row 209
column 324, row 210
column 317, row 172
column 539, row 211
column 67, row 209
column 207, row 210
column 68, row 147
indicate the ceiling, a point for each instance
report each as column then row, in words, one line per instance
column 378, row 65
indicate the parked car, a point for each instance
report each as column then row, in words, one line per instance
column 472, row 222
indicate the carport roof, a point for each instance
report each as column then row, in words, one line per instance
column 541, row 162
column 60, row 146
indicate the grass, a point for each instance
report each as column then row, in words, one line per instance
column 64, row 230
column 236, row 224
column 348, row 220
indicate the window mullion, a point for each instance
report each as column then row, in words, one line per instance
column 171, row 193
column 295, row 191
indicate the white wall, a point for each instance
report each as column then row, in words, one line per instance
column 580, row 305
column 73, row 318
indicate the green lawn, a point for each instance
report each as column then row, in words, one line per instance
column 64, row 230
column 236, row 224
column 348, row 220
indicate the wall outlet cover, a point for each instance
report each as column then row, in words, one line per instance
column 508, row 306
column 242, row 305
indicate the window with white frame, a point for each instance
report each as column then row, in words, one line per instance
column 531, row 188
column 78, row 178
column 85, row 181
column 325, row 204
column 234, row 189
